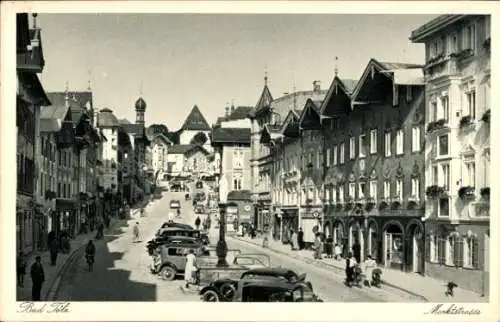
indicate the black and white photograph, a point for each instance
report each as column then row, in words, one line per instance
column 250, row 157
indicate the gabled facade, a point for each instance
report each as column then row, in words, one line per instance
column 457, row 163
column 374, row 170
column 194, row 123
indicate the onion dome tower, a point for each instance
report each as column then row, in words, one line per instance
column 140, row 109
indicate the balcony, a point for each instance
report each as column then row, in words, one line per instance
column 466, row 123
column 466, row 193
column 441, row 66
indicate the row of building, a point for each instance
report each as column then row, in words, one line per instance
column 397, row 160
column 76, row 165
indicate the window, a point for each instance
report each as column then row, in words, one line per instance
column 450, row 251
column 387, row 144
column 352, row 190
column 445, row 108
column 415, row 188
column 471, row 252
column 373, row 189
column 470, row 98
column 387, row 189
column 469, row 37
column 399, row 189
column 342, row 153
column 453, row 43
column 409, row 93
column 445, row 168
column 333, row 192
column 433, row 250
column 335, row 155
column 433, row 112
column 443, row 146
column 361, row 190
column 395, row 96
column 237, row 181
column 319, row 159
column 415, row 139
column 399, row 141
column 444, row 207
column 341, row 194
column 352, row 148
column 362, row 146
column 373, row 141
column 328, row 154
column 310, row 158
column 470, row 178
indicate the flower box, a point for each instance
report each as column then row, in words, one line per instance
column 485, row 192
column 466, row 192
column 434, row 191
column 369, row 206
column 310, row 165
column 437, row 125
column 383, row 205
column 487, row 43
column 486, row 116
column 395, row 205
column 465, row 121
column 412, row 205
column 466, row 53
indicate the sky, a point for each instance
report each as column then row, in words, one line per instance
column 209, row 60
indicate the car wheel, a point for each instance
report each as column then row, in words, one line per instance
column 228, row 291
column 168, row 273
column 210, row 296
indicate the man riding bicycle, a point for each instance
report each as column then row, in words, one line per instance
column 90, row 254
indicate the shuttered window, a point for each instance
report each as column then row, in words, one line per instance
column 475, row 253
column 459, row 252
column 441, row 248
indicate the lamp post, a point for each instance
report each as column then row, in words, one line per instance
column 221, row 249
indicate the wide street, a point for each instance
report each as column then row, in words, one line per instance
column 121, row 267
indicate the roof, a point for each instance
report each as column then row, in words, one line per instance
column 438, row 23
column 271, row 271
column 195, row 121
column 184, row 148
column 107, row 118
column 78, row 102
column 140, row 104
column 345, row 84
column 239, row 195
column 124, row 121
column 310, row 105
column 382, row 67
column 51, row 117
column 295, row 101
column 239, row 113
column 222, row 135
column 160, row 137
column 265, row 99
column 131, row 128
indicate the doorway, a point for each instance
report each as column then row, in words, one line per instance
column 393, row 246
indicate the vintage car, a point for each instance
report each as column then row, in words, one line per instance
column 154, row 244
column 164, row 235
column 199, row 209
column 199, row 185
column 170, row 258
column 176, row 225
column 261, row 285
column 175, row 204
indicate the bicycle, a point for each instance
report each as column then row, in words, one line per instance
column 90, row 262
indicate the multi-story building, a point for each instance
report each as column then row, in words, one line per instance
column 233, row 147
column 271, row 112
column 376, row 180
column 159, row 149
column 457, row 162
column 30, row 220
column 187, row 160
column 195, row 125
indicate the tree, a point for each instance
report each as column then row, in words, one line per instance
column 199, row 139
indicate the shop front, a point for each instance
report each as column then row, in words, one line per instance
column 289, row 222
column 64, row 218
column 231, row 219
column 25, row 214
column 311, row 222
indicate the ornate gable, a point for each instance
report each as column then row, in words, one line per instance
column 195, row 121
column 310, row 117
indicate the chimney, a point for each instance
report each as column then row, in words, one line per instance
column 316, row 86
column 227, row 109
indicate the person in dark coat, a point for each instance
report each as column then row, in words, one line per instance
column 356, row 249
column 38, row 277
column 197, row 222
column 20, row 269
column 329, row 247
column 300, row 238
column 54, row 249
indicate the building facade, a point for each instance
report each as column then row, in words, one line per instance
column 457, row 163
column 30, row 96
column 195, row 124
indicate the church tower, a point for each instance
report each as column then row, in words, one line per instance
column 140, row 110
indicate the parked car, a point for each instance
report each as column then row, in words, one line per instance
column 199, row 185
column 176, row 225
column 261, row 285
column 154, row 244
column 170, row 259
column 199, row 209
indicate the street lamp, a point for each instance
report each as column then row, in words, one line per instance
column 221, row 248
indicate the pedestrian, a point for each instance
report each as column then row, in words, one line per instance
column 300, row 239
column 295, row 241
column 329, row 246
column 136, row 232
column 338, row 251
column 190, row 270
column 20, row 269
column 54, row 249
column 170, row 216
column 368, row 267
column 350, row 263
column 197, row 223
column 37, row 277
column 317, row 246
column 356, row 249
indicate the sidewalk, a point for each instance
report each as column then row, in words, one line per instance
column 427, row 288
column 52, row 272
